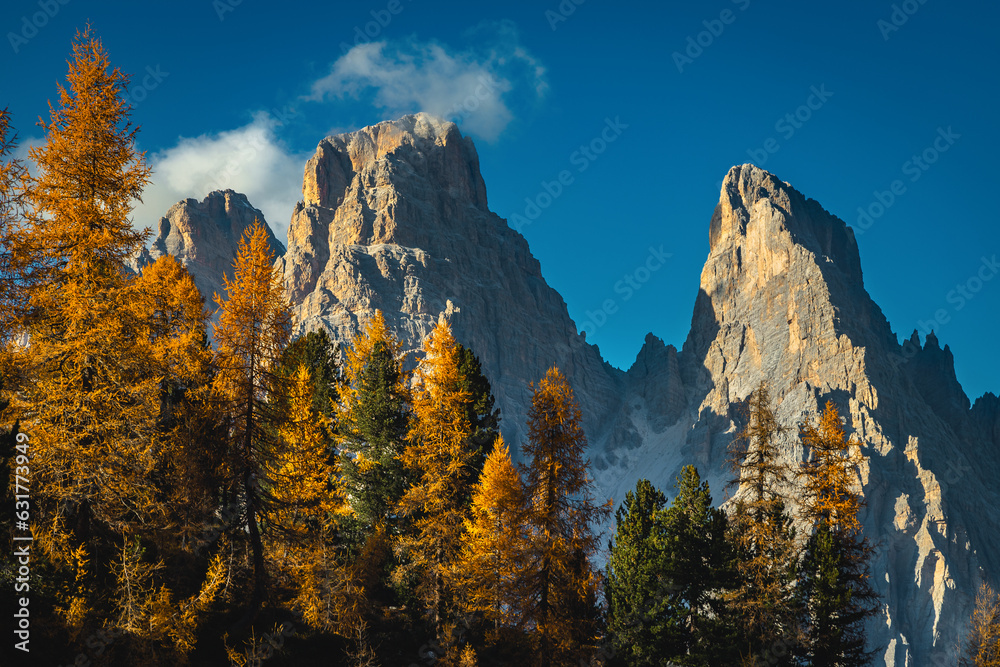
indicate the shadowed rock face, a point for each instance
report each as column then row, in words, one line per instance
column 395, row 218
column 204, row 236
column 782, row 300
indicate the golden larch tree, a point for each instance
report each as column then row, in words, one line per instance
column 172, row 334
column 829, row 476
column 982, row 643
column 93, row 402
column 13, row 201
column 253, row 328
column 439, row 454
column 495, row 547
column 171, row 312
column 94, row 394
column 763, row 599
column 306, row 505
column 834, row 581
column 561, row 585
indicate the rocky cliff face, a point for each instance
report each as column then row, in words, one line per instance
column 204, row 237
column 782, row 300
column 395, row 218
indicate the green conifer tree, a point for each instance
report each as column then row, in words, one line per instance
column 483, row 415
column 667, row 576
column 698, row 564
column 763, row 599
column 374, row 421
column 320, row 355
column 637, row 589
column 834, row 588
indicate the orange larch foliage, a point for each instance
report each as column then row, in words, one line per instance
column 561, row 586
column 253, row 328
column 495, row 546
column 13, row 200
column 982, row 643
column 439, row 454
column 830, row 474
column 306, row 501
column 93, row 401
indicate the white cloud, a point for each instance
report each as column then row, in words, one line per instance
column 474, row 87
column 24, row 146
column 249, row 159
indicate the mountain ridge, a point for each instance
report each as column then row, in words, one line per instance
column 395, row 217
column 204, row 236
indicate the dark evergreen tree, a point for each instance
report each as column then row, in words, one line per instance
column 667, row 575
column 763, row 599
column 484, row 417
column 835, row 606
column 320, row 356
column 834, row 586
column 637, row 590
column 375, row 431
column 698, row 564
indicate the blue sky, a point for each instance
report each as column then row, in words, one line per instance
column 683, row 90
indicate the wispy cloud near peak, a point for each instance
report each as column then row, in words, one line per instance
column 473, row 87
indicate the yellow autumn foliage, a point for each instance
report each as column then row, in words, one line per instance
column 439, row 454
column 306, row 501
column 830, row 475
column 561, row 586
column 495, row 546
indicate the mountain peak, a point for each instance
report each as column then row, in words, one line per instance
column 395, row 218
column 204, row 236
column 747, row 189
column 425, row 146
column 419, row 125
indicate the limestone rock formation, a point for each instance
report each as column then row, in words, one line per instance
column 395, row 218
column 204, row 236
column 782, row 300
